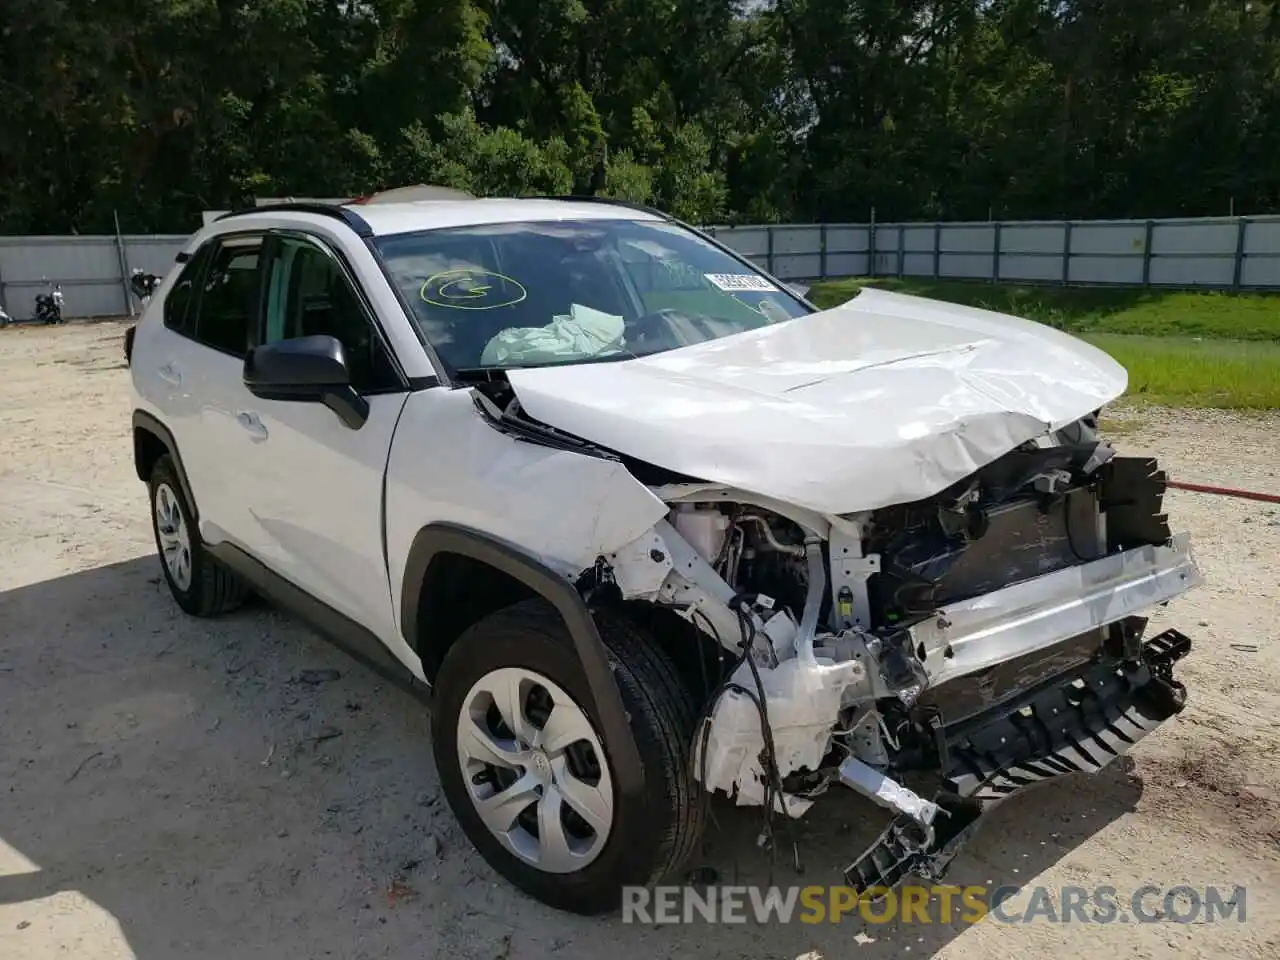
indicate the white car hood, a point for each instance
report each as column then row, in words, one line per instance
column 885, row 399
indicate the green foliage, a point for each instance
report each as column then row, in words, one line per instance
column 711, row 109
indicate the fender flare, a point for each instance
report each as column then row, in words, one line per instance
column 146, row 422
column 440, row 538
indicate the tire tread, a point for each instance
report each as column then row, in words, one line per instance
column 215, row 589
column 651, row 685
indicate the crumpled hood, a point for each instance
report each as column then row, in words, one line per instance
column 885, row 399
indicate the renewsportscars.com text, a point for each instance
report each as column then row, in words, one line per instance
column 933, row 905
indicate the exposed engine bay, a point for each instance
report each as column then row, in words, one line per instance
column 934, row 656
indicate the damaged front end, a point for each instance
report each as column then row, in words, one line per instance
column 935, row 656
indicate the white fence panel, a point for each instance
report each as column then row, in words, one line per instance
column 1209, row 253
column 92, row 270
column 1030, row 268
column 973, row 266
column 1126, row 271
column 1043, row 238
column 1262, row 238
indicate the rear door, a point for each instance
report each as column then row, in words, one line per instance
column 194, row 366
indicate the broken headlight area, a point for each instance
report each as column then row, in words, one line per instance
column 935, row 656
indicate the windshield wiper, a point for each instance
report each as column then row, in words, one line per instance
column 485, row 374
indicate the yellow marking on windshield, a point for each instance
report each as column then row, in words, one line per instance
column 453, row 289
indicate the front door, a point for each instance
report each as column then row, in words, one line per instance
column 311, row 485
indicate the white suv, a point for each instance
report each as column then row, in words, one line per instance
column 653, row 526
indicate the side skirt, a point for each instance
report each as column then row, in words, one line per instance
column 344, row 633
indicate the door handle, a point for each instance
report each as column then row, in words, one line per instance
column 169, row 374
column 251, row 422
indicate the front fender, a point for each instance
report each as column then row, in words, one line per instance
column 436, row 539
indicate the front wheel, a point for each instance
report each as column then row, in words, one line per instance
column 529, row 775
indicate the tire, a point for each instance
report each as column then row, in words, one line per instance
column 650, row 837
column 201, row 586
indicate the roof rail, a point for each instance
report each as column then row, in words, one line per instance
column 588, row 198
column 352, row 219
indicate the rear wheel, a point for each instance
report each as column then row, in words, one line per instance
column 528, row 773
column 201, row 586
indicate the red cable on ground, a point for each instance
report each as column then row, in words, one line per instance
column 1225, row 491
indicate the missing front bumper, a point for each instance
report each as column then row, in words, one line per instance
column 1078, row 724
column 974, row 635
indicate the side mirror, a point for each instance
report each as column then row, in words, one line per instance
column 799, row 289
column 308, row 370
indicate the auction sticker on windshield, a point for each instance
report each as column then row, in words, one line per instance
column 740, row 282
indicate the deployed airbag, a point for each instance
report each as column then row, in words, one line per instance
column 580, row 334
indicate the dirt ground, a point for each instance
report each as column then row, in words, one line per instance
column 171, row 788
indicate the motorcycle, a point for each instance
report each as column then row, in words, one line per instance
column 5, row 319
column 49, row 305
column 143, row 285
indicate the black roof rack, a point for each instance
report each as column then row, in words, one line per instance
column 352, row 219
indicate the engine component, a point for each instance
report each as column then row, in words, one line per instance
column 801, row 699
column 704, row 528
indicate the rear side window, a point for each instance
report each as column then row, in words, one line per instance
column 177, row 305
column 226, row 314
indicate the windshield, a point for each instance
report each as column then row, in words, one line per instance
column 535, row 294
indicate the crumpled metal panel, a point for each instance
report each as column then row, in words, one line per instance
column 886, row 399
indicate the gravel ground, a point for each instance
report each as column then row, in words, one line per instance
column 173, row 788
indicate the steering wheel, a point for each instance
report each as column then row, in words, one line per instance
column 658, row 330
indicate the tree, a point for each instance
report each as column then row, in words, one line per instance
column 712, row 109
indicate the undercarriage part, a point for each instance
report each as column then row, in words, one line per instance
column 1131, row 494
column 905, row 849
column 874, row 785
column 966, row 696
column 1078, row 723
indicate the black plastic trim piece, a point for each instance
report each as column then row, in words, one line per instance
column 145, row 421
column 352, row 219
column 350, row 637
column 443, row 538
column 182, row 257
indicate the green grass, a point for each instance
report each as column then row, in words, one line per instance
column 1182, row 349
column 1177, row 372
column 1157, row 313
